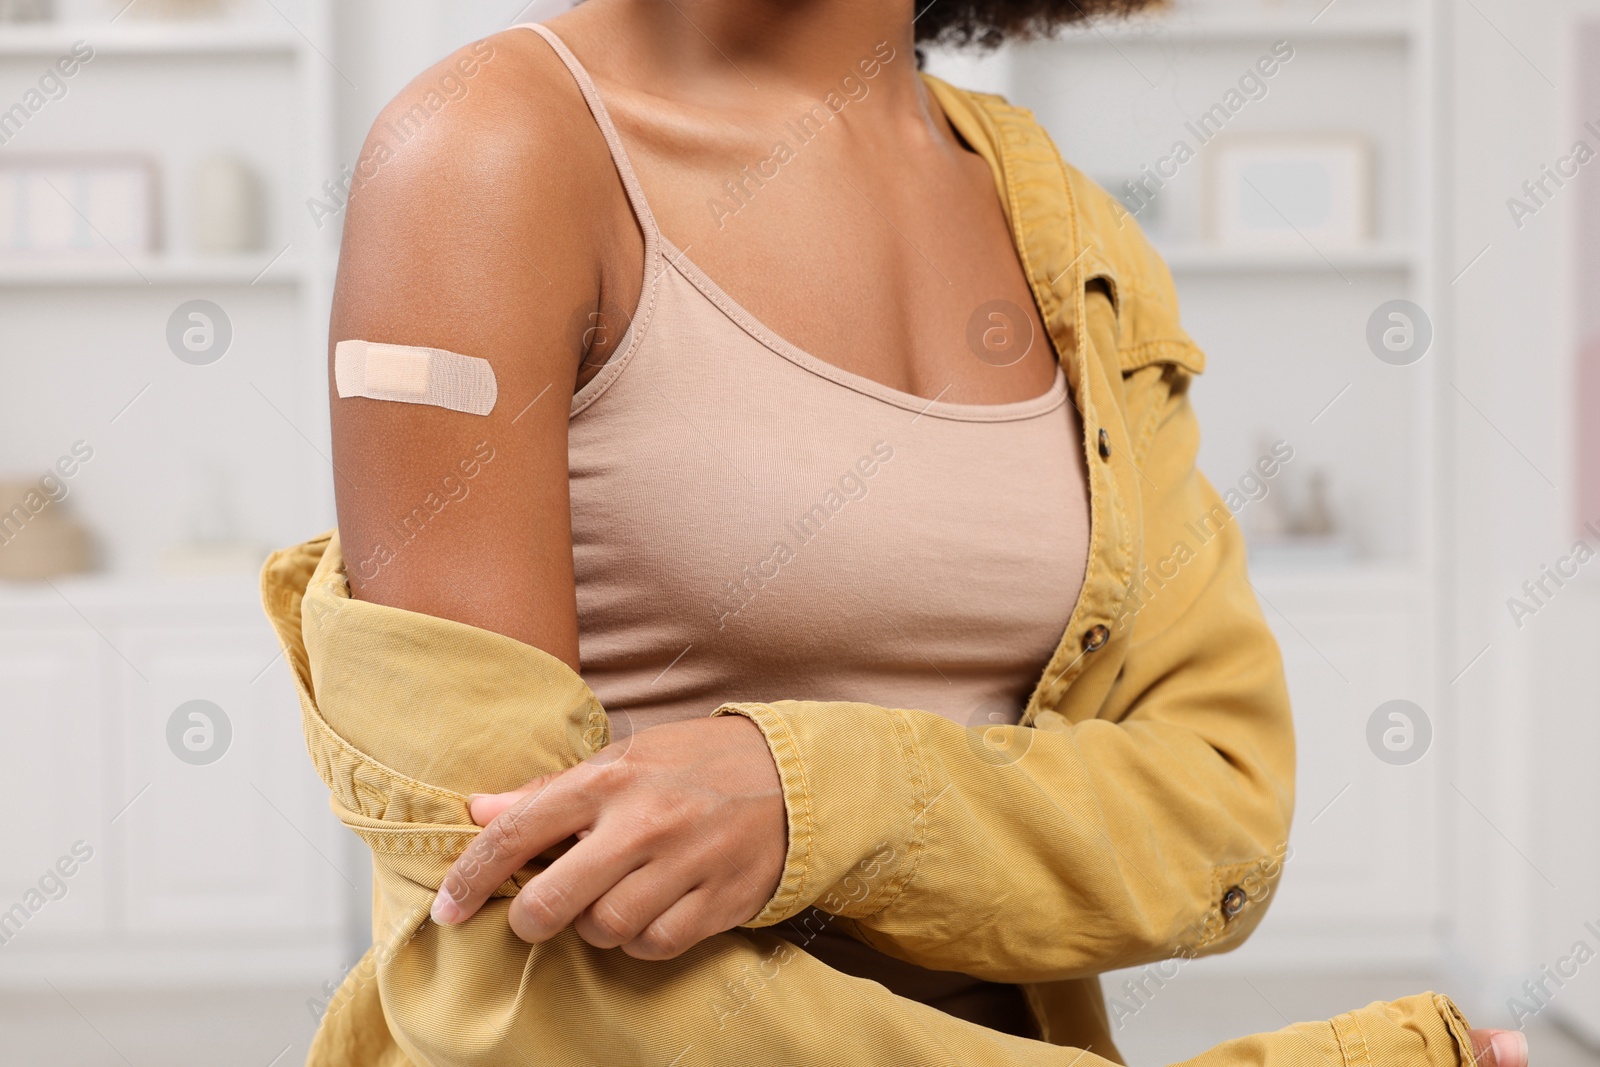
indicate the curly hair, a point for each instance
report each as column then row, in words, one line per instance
column 987, row 23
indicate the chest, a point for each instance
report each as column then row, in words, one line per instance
column 883, row 253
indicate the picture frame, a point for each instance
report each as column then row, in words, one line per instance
column 1273, row 190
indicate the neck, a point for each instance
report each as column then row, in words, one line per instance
column 728, row 48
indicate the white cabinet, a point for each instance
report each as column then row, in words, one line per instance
column 1360, row 887
column 52, row 780
column 234, row 845
column 200, row 869
column 1366, row 834
column 1563, row 729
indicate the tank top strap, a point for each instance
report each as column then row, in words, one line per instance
column 602, row 118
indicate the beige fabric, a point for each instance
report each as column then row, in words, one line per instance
column 749, row 522
column 744, row 526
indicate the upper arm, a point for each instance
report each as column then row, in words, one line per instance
column 467, row 237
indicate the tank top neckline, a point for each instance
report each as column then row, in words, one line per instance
column 661, row 254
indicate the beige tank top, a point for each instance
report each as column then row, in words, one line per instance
column 751, row 523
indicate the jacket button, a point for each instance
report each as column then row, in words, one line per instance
column 1105, row 445
column 1095, row 639
column 1233, row 902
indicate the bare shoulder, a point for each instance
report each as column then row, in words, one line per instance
column 491, row 149
column 504, row 101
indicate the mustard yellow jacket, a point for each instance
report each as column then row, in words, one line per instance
column 1138, row 813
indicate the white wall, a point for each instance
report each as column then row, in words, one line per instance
column 1527, row 829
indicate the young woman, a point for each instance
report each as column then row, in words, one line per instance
column 827, row 400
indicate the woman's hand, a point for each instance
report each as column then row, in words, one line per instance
column 681, row 831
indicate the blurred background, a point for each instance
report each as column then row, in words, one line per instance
column 1382, row 219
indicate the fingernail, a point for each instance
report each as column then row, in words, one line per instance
column 1510, row 1047
column 472, row 797
column 444, row 910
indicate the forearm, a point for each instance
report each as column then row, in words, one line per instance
column 1067, row 848
column 1105, row 846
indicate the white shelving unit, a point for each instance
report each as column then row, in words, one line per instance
column 1194, row 258
column 1219, row 23
column 1285, row 334
column 186, row 271
column 232, row 872
column 166, row 39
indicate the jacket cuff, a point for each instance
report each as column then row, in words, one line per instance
column 854, row 787
column 1460, row 1033
column 1426, row 1029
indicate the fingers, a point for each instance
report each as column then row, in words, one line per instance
column 557, row 895
column 552, row 810
column 632, row 904
column 1500, row 1048
column 487, row 807
column 678, row 929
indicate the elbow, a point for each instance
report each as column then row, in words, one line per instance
column 1241, row 894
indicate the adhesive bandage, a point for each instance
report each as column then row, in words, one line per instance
column 412, row 375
